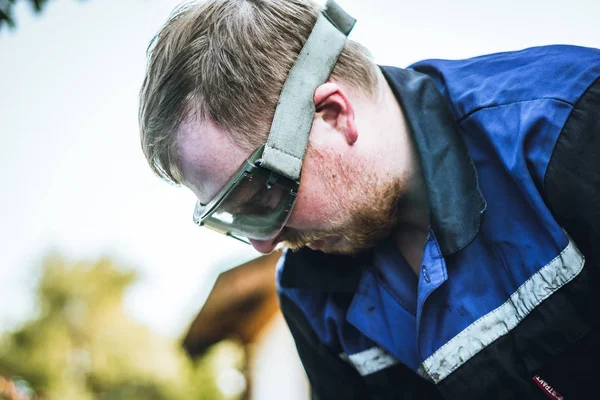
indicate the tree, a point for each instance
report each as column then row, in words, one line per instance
column 82, row 345
column 7, row 7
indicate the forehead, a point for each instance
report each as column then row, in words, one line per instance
column 208, row 157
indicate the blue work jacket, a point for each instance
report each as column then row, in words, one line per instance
column 504, row 291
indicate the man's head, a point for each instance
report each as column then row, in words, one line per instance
column 214, row 77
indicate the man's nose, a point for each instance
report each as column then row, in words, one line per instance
column 264, row 246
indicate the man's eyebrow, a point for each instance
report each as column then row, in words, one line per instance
column 199, row 187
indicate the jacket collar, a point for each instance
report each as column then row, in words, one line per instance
column 455, row 201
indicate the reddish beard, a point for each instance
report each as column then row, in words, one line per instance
column 370, row 211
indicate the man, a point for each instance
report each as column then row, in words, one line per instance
column 443, row 220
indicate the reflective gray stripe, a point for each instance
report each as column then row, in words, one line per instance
column 295, row 110
column 370, row 361
column 502, row 320
column 423, row 374
column 375, row 359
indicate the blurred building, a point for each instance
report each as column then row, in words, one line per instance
column 243, row 306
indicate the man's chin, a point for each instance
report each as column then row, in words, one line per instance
column 323, row 244
column 341, row 246
column 329, row 245
column 317, row 244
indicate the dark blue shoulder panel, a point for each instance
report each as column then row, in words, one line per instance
column 559, row 72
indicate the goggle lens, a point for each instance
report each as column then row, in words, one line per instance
column 257, row 206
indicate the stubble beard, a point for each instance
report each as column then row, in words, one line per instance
column 367, row 211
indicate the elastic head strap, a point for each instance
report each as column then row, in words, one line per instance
column 295, row 110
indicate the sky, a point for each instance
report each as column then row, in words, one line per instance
column 74, row 179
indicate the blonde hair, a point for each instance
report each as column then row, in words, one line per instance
column 226, row 61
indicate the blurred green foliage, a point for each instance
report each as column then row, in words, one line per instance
column 82, row 345
column 7, row 8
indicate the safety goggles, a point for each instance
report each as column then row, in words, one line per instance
column 258, row 200
column 255, row 203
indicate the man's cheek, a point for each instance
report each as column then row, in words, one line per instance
column 308, row 215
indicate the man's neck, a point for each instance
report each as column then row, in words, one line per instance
column 413, row 223
column 413, row 209
column 411, row 243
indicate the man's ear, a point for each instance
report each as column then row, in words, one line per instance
column 333, row 106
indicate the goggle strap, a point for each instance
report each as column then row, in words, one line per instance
column 338, row 17
column 295, row 111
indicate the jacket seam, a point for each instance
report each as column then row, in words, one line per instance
column 475, row 110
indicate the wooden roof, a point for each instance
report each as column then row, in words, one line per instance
column 241, row 302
